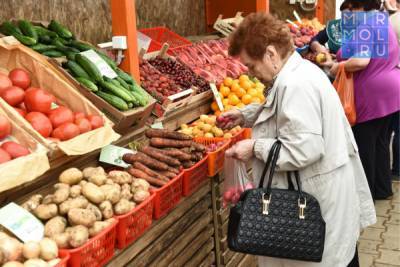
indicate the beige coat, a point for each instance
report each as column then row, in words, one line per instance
column 304, row 110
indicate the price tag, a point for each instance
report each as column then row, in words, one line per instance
column 217, row 96
column 103, row 67
column 143, row 42
column 180, row 94
column 113, row 155
column 157, row 125
column 21, row 223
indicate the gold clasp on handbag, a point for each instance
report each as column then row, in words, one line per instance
column 302, row 207
column 265, row 203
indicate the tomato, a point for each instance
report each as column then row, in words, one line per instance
column 66, row 131
column 38, row 100
column 14, row 149
column 96, row 121
column 60, row 115
column 13, row 95
column 4, row 82
column 21, row 111
column 79, row 115
column 84, row 125
column 20, row 78
column 40, row 123
column 4, row 156
column 5, row 127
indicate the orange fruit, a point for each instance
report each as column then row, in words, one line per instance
column 262, row 98
column 260, row 90
column 243, row 78
column 225, row 102
column 253, row 84
column 225, row 91
column 228, row 81
column 241, row 92
column 217, row 113
column 214, row 106
column 228, row 107
column 246, row 99
column 233, row 100
column 255, row 100
column 246, row 85
column 253, row 92
column 235, row 87
column 260, row 85
column 240, row 105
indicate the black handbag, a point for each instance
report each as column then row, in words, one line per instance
column 282, row 223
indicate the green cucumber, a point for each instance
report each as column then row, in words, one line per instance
column 81, row 46
column 108, row 60
column 42, row 47
column 130, row 105
column 117, row 91
column 89, row 67
column 45, row 39
column 113, row 100
column 66, row 49
column 25, row 39
column 124, row 76
column 88, row 84
column 76, row 69
column 123, row 83
column 70, row 55
column 43, row 31
column 118, row 84
column 28, row 29
column 53, row 53
column 60, row 29
column 7, row 28
column 142, row 100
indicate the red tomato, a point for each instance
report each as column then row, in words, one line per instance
column 96, row 121
column 4, row 81
column 20, row 78
column 60, row 115
column 5, row 127
column 4, row 156
column 38, row 100
column 84, row 125
column 21, row 111
column 14, row 149
column 13, row 95
column 22, row 106
column 66, row 131
column 79, row 115
column 40, row 123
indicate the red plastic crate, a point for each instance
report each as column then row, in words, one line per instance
column 245, row 133
column 97, row 251
column 216, row 158
column 64, row 256
column 167, row 197
column 195, row 176
column 161, row 35
column 133, row 224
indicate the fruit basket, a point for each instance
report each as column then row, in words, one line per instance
column 161, row 35
column 195, row 176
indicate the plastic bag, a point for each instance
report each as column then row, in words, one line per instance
column 236, row 180
column 345, row 88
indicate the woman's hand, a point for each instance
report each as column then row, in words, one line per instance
column 242, row 150
column 328, row 62
column 334, row 69
column 230, row 119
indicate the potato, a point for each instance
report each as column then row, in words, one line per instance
column 97, row 228
column 48, row 199
column 71, row 176
column 78, row 203
column 126, row 192
column 83, row 182
column 106, row 209
column 45, row 212
column 75, row 191
column 98, row 179
column 81, row 217
column 31, row 250
column 62, row 240
column 123, row 206
column 61, row 194
column 79, row 236
column 111, row 192
column 140, row 184
column 109, row 181
column 140, row 196
column 48, row 249
column 35, row 263
column 32, row 203
column 96, row 211
column 53, row 262
column 89, row 171
column 55, row 226
column 120, row 177
column 13, row 264
column 93, row 193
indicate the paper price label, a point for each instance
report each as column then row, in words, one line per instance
column 180, row 94
column 101, row 65
column 217, row 96
column 157, row 125
column 113, row 155
column 143, row 42
column 21, row 223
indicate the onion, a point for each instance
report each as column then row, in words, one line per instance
column 31, row 250
column 11, row 248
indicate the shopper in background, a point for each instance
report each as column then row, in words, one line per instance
column 304, row 112
column 377, row 99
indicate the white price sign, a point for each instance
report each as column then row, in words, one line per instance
column 113, row 155
column 217, row 96
column 101, row 65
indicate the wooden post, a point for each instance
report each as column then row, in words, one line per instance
column 262, row 5
column 320, row 11
column 123, row 15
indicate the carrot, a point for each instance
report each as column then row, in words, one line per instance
column 155, row 153
column 168, row 174
column 164, row 142
column 188, row 164
column 149, row 171
column 173, row 170
column 196, row 156
column 146, row 160
column 198, row 147
column 150, row 133
column 176, row 153
column 142, row 175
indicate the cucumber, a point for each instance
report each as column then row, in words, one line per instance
column 88, row 84
column 66, row 49
column 81, row 46
column 25, row 39
column 113, row 81
column 57, row 42
column 76, row 70
column 43, row 31
column 130, row 105
column 124, row 76
column 113, row 100
column 117, row 91
column 108, row 60
column 7, row 28
column 89, row 67
column 45, row 39
column 42, row 47
column 70, row 55
column 123, row 83
column 60, row 29
column 142, row 100
column 118, row 84
column 28, row 29
column 53, row 53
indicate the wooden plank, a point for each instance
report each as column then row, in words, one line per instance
column 223, row 229
column 223, row 215
column 185, row 237
column 248, row 261
column 158, row 228
column 209, row 260
column 215, row 218
column 186, row 254
column 238, row 257
column 200, row 254
column 223, row 243
column 227, row 256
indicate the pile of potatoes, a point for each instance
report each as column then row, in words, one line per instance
column 13, row 253
column 85, row 202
